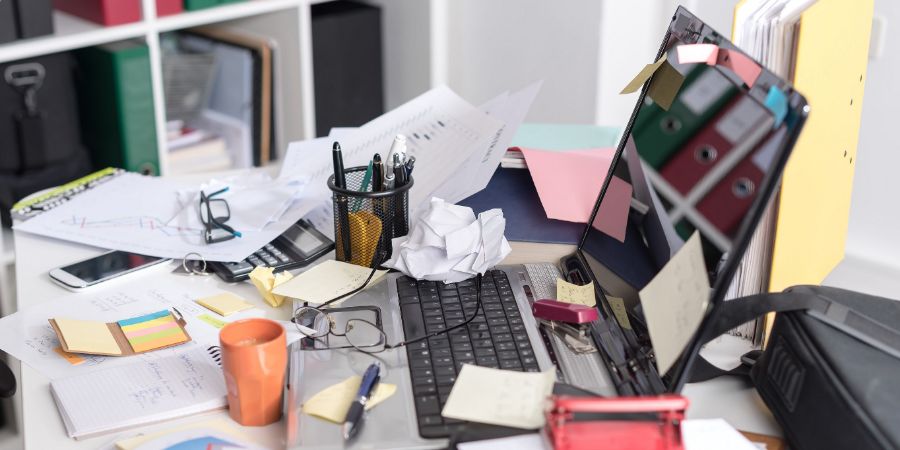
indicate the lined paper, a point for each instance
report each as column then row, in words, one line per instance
column 143, row 392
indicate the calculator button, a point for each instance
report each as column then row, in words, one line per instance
column 254, row 260
column 272, row 262
column 238, row 268
column 270, row 248
column 282, row 257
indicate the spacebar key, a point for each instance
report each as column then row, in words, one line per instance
column 413, row 322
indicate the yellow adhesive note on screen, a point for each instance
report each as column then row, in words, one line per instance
column 88, row 336
column 333, row 402
column 643, row 76
column 572, row 293
column 224, row 304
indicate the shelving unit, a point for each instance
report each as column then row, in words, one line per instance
column 286, row 22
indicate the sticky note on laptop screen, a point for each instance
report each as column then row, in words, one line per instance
column 88, row 336
column 152, row 331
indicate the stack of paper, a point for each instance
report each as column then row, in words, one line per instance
column 448, row 243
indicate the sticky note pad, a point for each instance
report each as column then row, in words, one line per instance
column 572, row 293
column 71, row 358
column 88, row 336
column 152, row 331
column 265, row 281
column 500, row 397
column 333, row 402
column 327, row 280
column 224, row 304
column 211, row 320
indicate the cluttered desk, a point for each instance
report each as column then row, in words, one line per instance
column 418, row 330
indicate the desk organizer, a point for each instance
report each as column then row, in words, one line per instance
column 372, row 219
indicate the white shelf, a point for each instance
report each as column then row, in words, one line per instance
column 72, row 32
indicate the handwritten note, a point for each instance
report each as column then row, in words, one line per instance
column 143, row 391
column 572, row 293
column 327, row 280
column 333, row 402
column 500, row 397
column 675, row 302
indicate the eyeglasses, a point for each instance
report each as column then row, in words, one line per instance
column 214, row 212
column 361, row 334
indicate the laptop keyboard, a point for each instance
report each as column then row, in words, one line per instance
column 495, row 338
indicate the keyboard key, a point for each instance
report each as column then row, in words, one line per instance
column 485, row 351
column 444, row 371
column 502, row 337
column 483, row 343
column 420, row 363
column 444, row 380
column 425, row 421
column 462, row 346
column 424, row 389
column 426, row 381
column 404, row 300
column 446, row 361
column 502, row 346
column 439, row 342
column 509, row 354
column 427, row 405
column 486, row 360
column 510, row 364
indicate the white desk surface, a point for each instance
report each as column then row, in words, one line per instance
column 731, row 399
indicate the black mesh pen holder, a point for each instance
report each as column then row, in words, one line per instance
column 365, row 222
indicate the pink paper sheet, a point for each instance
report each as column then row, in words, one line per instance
column 568, row 184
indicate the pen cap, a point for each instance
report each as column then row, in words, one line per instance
column 368, row 220
column 398, row 147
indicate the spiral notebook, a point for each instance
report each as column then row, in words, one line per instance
column 145, row 392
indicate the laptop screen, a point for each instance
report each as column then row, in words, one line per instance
column 695, row 168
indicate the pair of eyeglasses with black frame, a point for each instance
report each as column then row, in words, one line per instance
column 214, row 212
column 361, row 334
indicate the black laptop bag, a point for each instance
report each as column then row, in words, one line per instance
column 830, row 373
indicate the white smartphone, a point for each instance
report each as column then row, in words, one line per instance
column 101, row 268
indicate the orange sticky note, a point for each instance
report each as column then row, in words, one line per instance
column 72, row 358
column 568, row 182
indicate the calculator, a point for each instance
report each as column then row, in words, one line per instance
column 300, row 245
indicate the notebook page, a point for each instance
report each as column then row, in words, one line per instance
column 143, row 392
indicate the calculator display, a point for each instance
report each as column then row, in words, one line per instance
column 303, row 240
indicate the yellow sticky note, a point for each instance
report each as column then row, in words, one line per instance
column 665, row 85
column 211, row 320
column 225, row 303
column 265, row 281
column 643, row 76
column 71, row 358
column 333, row 402
column 88, row 336
column 326, row 281
column 572, row 293
column 620, row 311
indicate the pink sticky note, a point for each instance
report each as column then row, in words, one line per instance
column 747, row 69
column 568, row 182
column 697, row 53
column 612, row 218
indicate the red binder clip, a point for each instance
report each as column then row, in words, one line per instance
column 624, row 423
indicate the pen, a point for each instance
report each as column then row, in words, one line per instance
column 343, row 219
column 399, row 171
column 410, row 163
column 398, row 147
column 357, row 409
column 377, row 174
column 389, row 175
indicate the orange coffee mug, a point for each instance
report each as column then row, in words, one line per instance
column 254, row 359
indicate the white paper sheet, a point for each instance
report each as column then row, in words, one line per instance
column 132, row 213
column 675, row 302
column 500, row 397
column 140, row 392
column 27, row 334
column 523, row 442
column 713, row 434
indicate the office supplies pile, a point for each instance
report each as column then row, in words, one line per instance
column 450, row 244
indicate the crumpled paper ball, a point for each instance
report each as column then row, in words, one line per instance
column 448, row 243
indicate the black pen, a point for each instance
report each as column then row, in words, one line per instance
column 399, row 171
column 343, row 218
column 357, row 409
column 410, row 164
column 377, row 174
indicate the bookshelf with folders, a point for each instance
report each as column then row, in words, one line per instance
column 285, row 26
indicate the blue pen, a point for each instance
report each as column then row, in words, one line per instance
column 355, row 414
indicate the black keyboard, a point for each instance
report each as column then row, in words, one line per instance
column 495, row 338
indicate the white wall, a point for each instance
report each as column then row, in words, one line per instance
column 874, row 229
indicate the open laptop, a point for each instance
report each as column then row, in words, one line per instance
column 707, row 164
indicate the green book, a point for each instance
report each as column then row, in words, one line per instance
column 658, row 134
column 117, row 116
column 193, row 5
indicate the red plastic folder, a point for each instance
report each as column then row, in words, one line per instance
column 623, row 423
column 105, row 12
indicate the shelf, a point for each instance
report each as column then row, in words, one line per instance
column 73, row 33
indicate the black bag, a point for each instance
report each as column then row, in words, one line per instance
column 831, row 371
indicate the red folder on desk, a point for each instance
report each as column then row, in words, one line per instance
column 735, row 127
